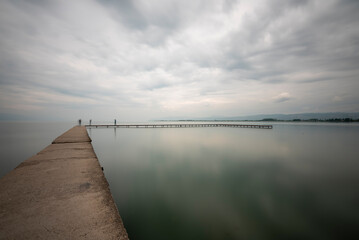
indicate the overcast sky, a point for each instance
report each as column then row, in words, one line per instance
column 153, row 59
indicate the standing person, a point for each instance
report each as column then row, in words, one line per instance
column 80, row 122
column 90, row 122
column 115, row 121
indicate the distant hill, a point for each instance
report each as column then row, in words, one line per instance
column 286, row 117
column 303, row 116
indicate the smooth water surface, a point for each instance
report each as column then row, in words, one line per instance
column 296, row 181
column 21, row 140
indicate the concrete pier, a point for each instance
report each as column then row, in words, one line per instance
column 59, row 193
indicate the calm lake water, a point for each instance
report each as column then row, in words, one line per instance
column 21, row 140
column 296, row 181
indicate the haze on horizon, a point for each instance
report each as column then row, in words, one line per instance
column 141, row 60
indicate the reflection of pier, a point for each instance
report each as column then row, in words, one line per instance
column 181, row 125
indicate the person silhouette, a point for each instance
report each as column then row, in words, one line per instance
column 115, row 121
column 80, row 122
column 90, row 121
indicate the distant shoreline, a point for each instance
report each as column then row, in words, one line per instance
column 332, row 120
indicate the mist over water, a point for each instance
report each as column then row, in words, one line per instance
column 296, row 181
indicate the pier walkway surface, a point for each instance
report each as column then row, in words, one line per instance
column 183, row 125
column 59, row 193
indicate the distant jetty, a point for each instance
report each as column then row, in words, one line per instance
column 181, row 125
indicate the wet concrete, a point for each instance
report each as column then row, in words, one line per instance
column 60, row 193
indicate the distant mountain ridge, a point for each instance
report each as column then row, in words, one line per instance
column 287, row 117
column 302, row 116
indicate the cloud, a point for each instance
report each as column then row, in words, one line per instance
column 149, row 59
column 282, row 97
column 337, row 99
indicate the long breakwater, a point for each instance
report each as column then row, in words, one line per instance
column 182, row 125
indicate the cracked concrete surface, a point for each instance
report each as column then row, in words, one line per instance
column 60, row 193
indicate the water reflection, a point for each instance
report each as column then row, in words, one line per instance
column 292, row 182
